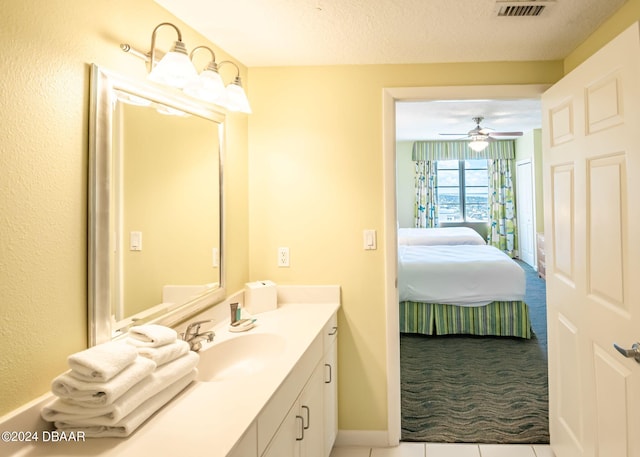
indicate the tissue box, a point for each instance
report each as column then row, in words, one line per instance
column 260, row 296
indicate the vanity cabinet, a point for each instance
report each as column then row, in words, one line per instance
column 301, row 432
column 312, row 416
column 287, row 408
column 285, row 441
column 247, row 445
column 330, row 384
column 305, row 426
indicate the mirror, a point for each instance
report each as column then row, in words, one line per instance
column 155, row 205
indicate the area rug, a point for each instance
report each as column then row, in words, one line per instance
column 466, row 389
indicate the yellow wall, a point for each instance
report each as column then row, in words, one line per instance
column 315, row 155
column 405, row 184
column 315, row 167
column 47, row 48
column 309, row 161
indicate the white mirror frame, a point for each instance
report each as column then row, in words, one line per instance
column 102, row 97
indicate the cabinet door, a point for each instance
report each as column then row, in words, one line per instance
column 330, row 397
column 301, row 434
column 286, row 441
column 312, row 411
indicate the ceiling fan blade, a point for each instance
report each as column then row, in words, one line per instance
column 479, row 131
column 505, row 134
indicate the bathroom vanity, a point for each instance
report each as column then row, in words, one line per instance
column 267, row 392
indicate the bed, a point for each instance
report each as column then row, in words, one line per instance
column 461, row 289
column 439, row 236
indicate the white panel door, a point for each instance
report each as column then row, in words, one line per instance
column 525, row 205
column 591, row 141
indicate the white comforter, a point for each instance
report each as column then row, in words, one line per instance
column 439, row 236
column 466, row 275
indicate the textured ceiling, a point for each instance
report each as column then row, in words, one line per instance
column 327, row 32
column 337, row 32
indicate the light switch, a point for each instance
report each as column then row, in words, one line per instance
column 135, row 241
column 370, row 242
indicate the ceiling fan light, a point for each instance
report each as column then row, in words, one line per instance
column 478, row 144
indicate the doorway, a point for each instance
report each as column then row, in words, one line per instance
column 390, row 97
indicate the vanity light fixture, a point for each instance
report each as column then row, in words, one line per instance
column 176, row 69
column 208, row 86
column 234, row 98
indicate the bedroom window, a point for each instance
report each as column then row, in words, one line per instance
column 463, row 190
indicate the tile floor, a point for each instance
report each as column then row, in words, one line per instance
column 447, row 450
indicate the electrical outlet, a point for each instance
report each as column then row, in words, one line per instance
column 283, row 257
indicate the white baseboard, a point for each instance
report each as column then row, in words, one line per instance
column 363, row 438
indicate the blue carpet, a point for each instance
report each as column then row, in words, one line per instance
column 536, row 298
column 466, row 389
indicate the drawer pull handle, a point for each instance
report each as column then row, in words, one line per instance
column 301, row 428
column 306, row 427
column 333, row 331
column 330, row 373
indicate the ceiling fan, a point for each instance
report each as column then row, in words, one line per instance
column 481, row 136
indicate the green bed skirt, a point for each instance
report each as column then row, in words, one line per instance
column 498, row 318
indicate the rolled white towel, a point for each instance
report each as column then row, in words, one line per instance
column 151, row 335
column 102, row 393
column 102, row 362
column 70, row 411
column 130, row 423
column 165, row 354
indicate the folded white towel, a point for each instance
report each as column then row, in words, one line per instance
column 102, row 362
column 151, row 335
column 102, row 393
column 165, row 354
column 70, row 411
column 130, row 423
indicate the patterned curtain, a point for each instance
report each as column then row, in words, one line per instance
column 502, row 207
column 426, row 207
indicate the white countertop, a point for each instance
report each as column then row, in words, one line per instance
column 208, row 418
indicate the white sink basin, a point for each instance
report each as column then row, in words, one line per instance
column 240, row 356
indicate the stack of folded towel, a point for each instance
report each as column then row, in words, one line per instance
column 114, row 387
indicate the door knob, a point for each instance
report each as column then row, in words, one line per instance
column 633, row 352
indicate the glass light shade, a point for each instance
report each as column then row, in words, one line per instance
column 208, row 86
column 174, row 69
column 235, row 99
column 478, row 145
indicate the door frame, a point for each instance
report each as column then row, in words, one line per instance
column 389, row 98
column 532, row 196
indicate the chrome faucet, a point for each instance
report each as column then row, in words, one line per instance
column 193, row 336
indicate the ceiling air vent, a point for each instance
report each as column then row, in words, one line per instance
column 522, row 8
